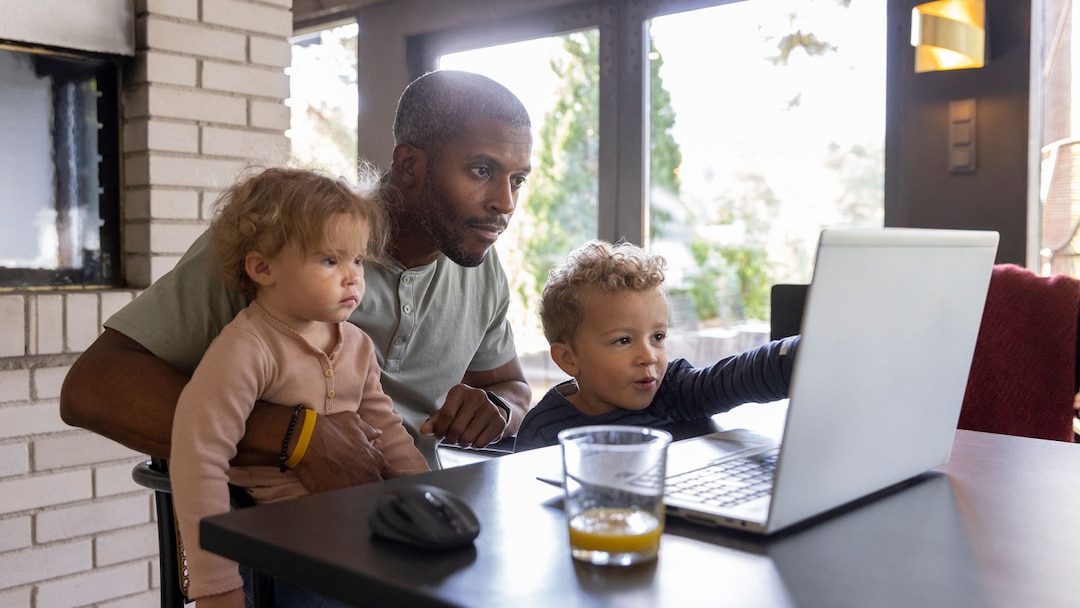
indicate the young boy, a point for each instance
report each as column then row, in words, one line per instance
column 296, row 242
column 605, row 317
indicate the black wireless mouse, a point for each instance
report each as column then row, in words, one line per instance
column 424, row 516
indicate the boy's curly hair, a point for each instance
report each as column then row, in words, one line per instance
column 279, row 206
column 596, row 266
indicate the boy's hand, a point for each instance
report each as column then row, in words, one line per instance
column 467, row 418
column 341, row 454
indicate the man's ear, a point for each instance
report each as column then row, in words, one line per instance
column 410, row 165
column 257, row 266
column 563, row 356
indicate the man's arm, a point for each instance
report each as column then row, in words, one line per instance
column 119, row 389
column 469, row 418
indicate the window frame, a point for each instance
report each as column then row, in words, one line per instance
column 107, row 70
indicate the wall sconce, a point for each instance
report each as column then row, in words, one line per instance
column 949, row 35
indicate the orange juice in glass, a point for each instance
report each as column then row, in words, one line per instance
column 614, row 484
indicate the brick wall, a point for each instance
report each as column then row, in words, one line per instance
column 202, row 98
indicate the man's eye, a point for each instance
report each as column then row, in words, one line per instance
column 482, row 172
column 518, row 181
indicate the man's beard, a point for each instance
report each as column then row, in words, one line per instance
column 443, row 227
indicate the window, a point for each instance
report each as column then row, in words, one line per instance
column 59, row 169
column 323, row 99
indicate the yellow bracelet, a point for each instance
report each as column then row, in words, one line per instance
column 302, row 441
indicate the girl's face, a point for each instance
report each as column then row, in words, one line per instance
column 324, row 285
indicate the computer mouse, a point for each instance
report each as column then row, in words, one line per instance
column 424, row 516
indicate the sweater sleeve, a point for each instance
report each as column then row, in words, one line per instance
column 211, row 416
column 759, row 375
column 377, row 409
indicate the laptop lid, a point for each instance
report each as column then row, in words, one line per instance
column 888, row 334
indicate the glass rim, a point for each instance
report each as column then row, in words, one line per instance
column 656, row 437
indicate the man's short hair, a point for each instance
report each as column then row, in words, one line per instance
column 435, row 107
column 596, row 266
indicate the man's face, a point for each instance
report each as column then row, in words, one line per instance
column 471, row 189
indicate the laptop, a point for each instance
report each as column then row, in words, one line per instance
column 888, row 334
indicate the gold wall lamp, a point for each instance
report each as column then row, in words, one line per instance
column 949, row 35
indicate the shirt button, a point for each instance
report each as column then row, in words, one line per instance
column 399, row 341
column 407, row 309
column 330, row 394
column 406, row 279
column 329, row 372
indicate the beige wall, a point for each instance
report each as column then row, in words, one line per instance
column 203, row 96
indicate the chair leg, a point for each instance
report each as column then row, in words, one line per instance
column 170, row 554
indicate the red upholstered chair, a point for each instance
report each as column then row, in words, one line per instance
column 1025, row 370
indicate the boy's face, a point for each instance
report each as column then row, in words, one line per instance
column 618, row 355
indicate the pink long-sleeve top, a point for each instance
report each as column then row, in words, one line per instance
column 256, row 357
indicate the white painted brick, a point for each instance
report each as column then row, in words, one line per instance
column 174, row 204
column 43, row 563
column 160, row 265
column 158, row 135
column 137, row 176
column 47, row 380
column 185, row 9
column 275, row 52
column 31, row 419
column 270, row 115
column 13, row 325
column 91, row 587
column 164, row 67
column 136, row 103
column 113, row 479
column 147, row 599
column 112, row 301
column 14, row 534
column 155, row 573
column 173, row 137
column 78, row 448
column 86, row 519
column 273, row 147
column 44, row 491
column 14, row 459
column 194, row 104
column 245, row 79
column 137, row 203
column 14, row 387
column 81, row 322
column 174, row 237
column 249, row 16
column 46, row 324
column 15, row 597
column 194, row 172
column 286, row 3
column 138, row 270
column 126, row 545
column 193, row 39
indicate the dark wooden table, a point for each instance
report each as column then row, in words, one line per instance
column 996, row 526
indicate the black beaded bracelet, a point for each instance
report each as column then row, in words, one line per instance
column 284, row 455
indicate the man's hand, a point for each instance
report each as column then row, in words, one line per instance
column 467, row 418
column 341, row 454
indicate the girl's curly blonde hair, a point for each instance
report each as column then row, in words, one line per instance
column 279, row 207
column 595, row 266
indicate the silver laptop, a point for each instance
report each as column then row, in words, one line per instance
column 888, row 334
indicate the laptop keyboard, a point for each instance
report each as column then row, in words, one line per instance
column 727, row 483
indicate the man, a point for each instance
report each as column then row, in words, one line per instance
column 436, row 311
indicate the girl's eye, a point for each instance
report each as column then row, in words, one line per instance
column 660, row 337
column 622, row 341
